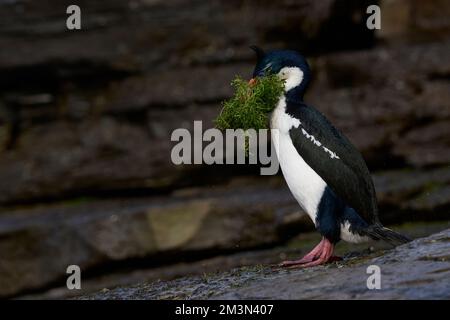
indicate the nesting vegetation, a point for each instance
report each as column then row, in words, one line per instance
column 249, row 108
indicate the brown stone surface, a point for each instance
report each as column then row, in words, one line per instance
column 244, row 215
column 86, row 118
column 46, row 240
column 404, row 123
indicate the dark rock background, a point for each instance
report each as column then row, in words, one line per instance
column 86, row 118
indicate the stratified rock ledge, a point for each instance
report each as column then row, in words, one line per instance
column 417, row 270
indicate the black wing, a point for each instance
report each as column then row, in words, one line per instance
column 331, row 155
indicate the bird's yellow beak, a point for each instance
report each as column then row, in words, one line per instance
column 252, row 82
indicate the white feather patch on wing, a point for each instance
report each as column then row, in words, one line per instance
column 349, row 236
column 313, row 139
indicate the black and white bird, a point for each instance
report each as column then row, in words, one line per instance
column 324, row 171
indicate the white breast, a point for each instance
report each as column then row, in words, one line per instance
column 305, row 184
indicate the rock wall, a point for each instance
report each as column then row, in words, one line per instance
column 86, row 118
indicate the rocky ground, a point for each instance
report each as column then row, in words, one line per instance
column 219, row 266
column 418, row 270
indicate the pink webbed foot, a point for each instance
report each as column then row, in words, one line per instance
column 321, row 254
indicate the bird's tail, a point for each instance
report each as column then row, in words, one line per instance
column 392, row 237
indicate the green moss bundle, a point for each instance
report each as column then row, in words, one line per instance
column 251, row 104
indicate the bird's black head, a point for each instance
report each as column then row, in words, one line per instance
column 288, row 65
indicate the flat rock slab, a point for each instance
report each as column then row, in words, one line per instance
column 418, row 270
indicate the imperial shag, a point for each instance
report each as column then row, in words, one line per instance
column 324, row 171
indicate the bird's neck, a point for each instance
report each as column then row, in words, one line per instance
column 295, row 94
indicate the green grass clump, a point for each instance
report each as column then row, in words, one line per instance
column 251, row 105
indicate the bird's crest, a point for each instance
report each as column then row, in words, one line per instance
column 259, row 52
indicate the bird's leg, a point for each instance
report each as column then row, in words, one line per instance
column 321, row 254
column 307, row 258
